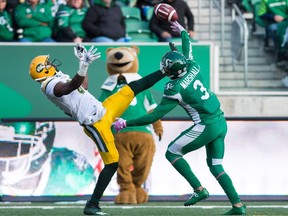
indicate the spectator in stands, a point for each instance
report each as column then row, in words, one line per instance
column 273, row 12
column 68, row 22
column 36, row 20
column 145, row 5
column 55, row 4
column 162, row 29
column 104, row 22
column 6, row 24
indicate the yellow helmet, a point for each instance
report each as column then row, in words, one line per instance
column 41, row 68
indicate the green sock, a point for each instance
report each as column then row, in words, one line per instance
column 184, row 169
column 227, row 185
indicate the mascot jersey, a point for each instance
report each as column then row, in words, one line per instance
column 141, row 104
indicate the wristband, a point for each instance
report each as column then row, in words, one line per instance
column 82, row 69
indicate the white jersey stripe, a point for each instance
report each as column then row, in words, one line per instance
column 186, row 139
column 98, row 140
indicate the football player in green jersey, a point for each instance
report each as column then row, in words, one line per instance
column 187, row 88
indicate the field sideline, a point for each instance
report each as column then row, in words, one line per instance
column 151, row 208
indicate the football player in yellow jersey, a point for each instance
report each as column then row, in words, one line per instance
column 71, row 96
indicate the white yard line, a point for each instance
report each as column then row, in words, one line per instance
column 146, row 206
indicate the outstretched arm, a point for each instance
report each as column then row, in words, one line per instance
column 85, row 58
column 162, row 109
column 186, row 40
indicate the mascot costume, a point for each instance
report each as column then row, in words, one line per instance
column 135, row 144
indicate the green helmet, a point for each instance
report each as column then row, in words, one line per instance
column 173, row 64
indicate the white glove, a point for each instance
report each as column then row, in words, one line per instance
column 176, row 27
column 91, row 55
column 80, row 51
column 119, row 124
column 85, row 57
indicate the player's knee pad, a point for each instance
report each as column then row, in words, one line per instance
column 171, row 157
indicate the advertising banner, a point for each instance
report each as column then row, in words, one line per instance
column 57, row 158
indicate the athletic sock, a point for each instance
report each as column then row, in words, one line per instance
column 227, row 185
column 103, row 181
column 184, row 169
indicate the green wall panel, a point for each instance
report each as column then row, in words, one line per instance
column 21, row 96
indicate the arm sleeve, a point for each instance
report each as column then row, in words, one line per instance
column 186, row 45
column 22, row 20
column 162, row 109
column 62, row 18
column 45, row 17
column 262, row 8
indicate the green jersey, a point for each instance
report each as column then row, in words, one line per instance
column 6, row 30
column 189, row 91
column 276, row 7
column 36, row 21
column 68, row 22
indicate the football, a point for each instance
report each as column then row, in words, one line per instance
column 165, row 12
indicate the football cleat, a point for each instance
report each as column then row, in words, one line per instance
column 197, row 197
column 93, row 210
column 237, row 211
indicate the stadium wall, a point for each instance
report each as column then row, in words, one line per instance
column 21, row 96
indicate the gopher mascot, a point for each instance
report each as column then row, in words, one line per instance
column 135, row 144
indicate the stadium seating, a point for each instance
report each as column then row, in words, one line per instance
column 138, row 31
column 131, row 13
column 150, row 12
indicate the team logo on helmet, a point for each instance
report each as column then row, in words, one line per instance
column 40, row 67
column 168, row 63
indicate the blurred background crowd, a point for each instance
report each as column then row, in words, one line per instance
column 88, row 21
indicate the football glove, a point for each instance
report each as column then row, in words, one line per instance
column 176, row 27
column 119, row 124
column 91, row 55
column 80, row 51
column 85, row 57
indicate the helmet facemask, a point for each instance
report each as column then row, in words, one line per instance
column 41, row 68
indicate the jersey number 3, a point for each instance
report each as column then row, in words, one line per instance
column 205, row 94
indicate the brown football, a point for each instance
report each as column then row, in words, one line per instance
column 165, row 12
